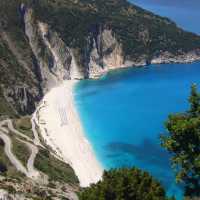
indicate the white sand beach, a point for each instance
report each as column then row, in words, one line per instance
column 61, row 128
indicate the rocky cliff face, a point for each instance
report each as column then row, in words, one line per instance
column 55, row 60
column 22, row 98
column 103, row 52
column 19, row 83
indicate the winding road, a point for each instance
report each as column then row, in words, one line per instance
column 6, row 127
column 11, row 128
column 11, row 156
column 32, row 172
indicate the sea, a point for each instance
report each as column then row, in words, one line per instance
column 124, row 112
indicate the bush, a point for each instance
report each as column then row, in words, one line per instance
column 125, row 184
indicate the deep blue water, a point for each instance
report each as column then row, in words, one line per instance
column 123, row 113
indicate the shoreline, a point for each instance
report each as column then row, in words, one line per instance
column 188, row 59
column 61, row 128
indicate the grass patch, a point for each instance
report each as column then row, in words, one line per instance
column 54, row 168
column 20, row 150
column 24, row 126
column 5, row 108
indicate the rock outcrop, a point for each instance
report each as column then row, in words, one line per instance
column 22, row 98
column 55, row 60
column 166, row 57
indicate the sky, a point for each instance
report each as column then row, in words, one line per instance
column 186, row 13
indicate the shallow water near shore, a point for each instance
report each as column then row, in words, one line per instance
column 123, row 115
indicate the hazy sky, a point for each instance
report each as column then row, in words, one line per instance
column 186, row 13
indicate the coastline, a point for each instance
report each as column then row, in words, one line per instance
column 164, row 58
column 61, row 128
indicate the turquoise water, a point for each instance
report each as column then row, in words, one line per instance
column 123, row 115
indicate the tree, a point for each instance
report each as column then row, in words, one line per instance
column 125, row 184
column 194, row 101
column 183, row 142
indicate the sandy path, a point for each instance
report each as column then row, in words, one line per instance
column 31, row 171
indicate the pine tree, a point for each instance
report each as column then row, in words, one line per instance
column 183, row 142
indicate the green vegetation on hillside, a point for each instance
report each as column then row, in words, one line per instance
column 23, row 125
column 8, row 68
column 13, row 29
column 14, row 50
column 183, row 142
column 21, row 151
column 125, row 184
column 5, row 108
column 54, row 168
column 141, row 32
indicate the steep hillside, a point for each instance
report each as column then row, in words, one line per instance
column 43, row 42
column 29, row 169
column 19, row 79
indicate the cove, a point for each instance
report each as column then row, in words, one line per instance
column 123, row 115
